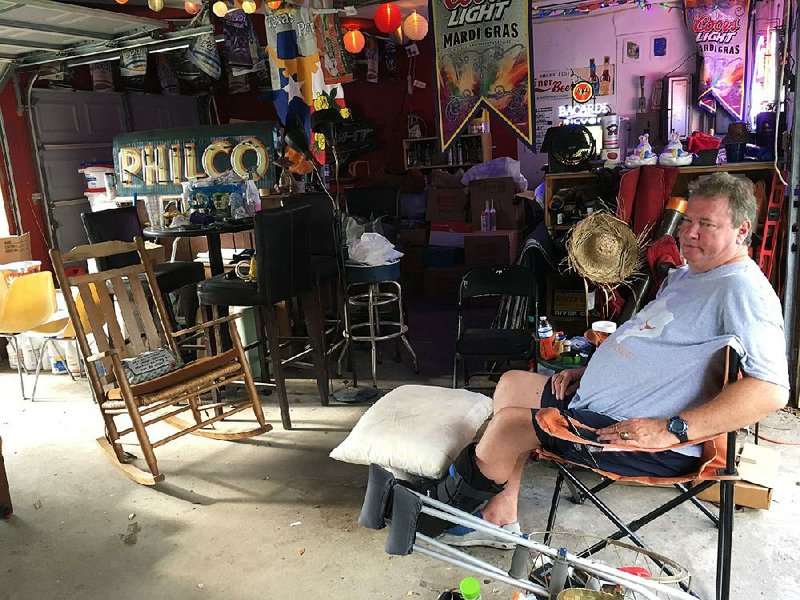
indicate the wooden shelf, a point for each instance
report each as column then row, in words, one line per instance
column 435, row 139
column 445, row 166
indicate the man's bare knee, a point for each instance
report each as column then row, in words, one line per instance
column 518, row 388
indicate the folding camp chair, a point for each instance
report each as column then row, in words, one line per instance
column 718, row 466
column 123, row 326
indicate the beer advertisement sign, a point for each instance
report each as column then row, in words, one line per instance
column 720, row 31
column 482, row 60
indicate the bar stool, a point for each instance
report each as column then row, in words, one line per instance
column 283, row 272
column 376, row 290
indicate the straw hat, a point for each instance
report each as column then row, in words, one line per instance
column 603, row 249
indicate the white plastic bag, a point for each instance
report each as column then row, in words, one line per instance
column 372, row 249
column 498, row 167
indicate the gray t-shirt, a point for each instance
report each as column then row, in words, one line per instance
column 669, row 356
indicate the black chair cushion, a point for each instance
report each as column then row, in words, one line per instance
column 220, row 291
column 495, row 343
column 172, row 276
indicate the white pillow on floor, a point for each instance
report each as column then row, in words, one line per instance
column 416, row 429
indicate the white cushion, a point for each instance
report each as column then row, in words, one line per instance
column 416, row 429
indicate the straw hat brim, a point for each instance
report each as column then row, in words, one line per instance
column 603, row 249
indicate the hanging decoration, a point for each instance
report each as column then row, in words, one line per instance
column 415, row 26
column 122, row 1
column 297, row 77
column 155, row 5
column 249, row 6
column 583, row 9
column 720, row 31
column 220, row 8
column 133, row 68
column 387, row 18
column 203, row 54
column 354, row 41
column 275, row 5
column 241, row 45
column 482, row 64
column 336, row 67
column 190, row 7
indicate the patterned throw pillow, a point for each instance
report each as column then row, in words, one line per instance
column 149, row 365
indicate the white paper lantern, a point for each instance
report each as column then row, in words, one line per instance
column 415, row 26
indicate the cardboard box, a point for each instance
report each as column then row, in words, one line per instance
column 510, row 208
column 447, row 238
column 758, row 469
column 443, row 256
column 441, row 283
column 412, row 238
column 14, row 248
column 412, row 259
column 446, row 204
column 491, row 248
column 571, row 303
column 413, row 282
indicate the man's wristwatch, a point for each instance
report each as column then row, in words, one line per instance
column 679, row 427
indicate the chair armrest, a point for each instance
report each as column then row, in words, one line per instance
column 206, row 325
column 98, row 355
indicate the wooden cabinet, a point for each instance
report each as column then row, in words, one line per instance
column 470, row 149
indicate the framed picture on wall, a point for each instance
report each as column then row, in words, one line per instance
column 632, row 49
column 660, row 46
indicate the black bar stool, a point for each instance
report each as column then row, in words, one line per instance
column 283, row 272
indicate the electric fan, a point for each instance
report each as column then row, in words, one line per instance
column 569, row 148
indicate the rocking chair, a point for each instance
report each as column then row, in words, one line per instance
column 193, row 388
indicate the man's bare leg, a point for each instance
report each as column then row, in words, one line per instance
column 519, row 389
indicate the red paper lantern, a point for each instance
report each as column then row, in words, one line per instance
column 189, row 7
column 274, row 5
column 388, row 18
column 354, row 41
column 122, row 1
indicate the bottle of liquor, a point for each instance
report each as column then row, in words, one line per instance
column 593, row 77
column 605, row 78
column 492, row 217
column 485, row 217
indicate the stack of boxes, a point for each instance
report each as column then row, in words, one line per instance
column 439, row 254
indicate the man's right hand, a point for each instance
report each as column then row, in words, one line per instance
column 565, row 383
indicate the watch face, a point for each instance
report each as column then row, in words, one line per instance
column 677, row 426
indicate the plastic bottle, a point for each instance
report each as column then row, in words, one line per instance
column 252, row 197
column 485, row 217
column 547, row 347
column 470, row 588
column 492, row 217
column 326, row 176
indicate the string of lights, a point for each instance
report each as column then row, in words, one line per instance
column 543, row 12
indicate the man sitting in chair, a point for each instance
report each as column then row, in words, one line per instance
column 653, row 383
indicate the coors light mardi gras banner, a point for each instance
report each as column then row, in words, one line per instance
column 483, row 57
column 720, row 30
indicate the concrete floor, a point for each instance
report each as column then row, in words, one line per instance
column 275, row 517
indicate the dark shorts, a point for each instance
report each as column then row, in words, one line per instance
column 635, row 464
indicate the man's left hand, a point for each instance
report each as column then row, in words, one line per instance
column 639, row 433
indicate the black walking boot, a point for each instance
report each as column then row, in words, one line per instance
column 463, row 487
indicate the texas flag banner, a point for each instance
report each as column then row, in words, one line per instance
column 720, row 29
column 482, row 59
column 298, row 81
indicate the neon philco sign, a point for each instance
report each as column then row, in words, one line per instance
column 156, row 162
column 583, row 114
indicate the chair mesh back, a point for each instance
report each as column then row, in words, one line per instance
column 116, row 224
column 510, row 280
column 283, row 256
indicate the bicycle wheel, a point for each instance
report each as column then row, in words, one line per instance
column 622, row 556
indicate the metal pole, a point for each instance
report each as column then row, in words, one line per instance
column 792, row 229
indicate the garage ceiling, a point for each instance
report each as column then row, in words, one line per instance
column 38, row 27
